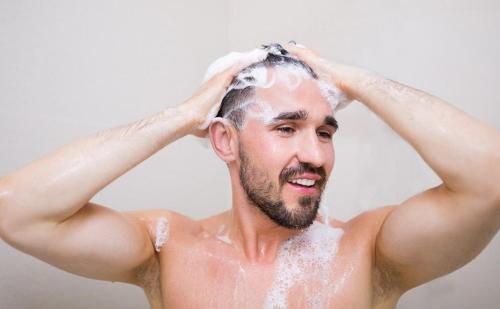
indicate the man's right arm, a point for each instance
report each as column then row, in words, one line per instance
column 45, row 207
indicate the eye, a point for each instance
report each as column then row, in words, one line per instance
column 325, row 134
column 286, row 130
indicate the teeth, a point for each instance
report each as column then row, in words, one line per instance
column 303, row 182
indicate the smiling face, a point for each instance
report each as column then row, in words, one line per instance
column 286, row 151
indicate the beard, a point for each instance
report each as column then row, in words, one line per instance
column 266, row 195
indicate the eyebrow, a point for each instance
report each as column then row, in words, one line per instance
column 331, row 121
column 297, row 115
column 302, row 115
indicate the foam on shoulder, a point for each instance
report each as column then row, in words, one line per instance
column 162, row 232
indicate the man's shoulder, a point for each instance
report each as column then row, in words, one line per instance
column 365, row 226
column 158, row 213
column 165, row 228
column 172, row 222
column 371, row 219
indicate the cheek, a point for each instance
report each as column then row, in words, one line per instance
column 265, row 145
column 271, row 147
column 270, row 155
column 330, row 159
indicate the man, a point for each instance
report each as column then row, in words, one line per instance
column 271, row 249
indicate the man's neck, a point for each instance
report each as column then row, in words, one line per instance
column 256, row 234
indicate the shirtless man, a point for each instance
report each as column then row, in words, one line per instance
column 271, row 250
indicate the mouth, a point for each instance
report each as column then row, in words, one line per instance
column 304, row 186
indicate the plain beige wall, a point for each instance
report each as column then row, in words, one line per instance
column 71, row 68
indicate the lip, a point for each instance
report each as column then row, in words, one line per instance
column 303, row 190
column 308, row 176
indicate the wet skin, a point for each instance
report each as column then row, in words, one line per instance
column 198, row 268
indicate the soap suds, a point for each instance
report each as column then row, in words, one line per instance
column 325, row 214
column 305, row 260
column 261, row 77
column 221, row 229
column 224, row 238
column 222, row 234
column 337, row 99
column 227, row 61
column 161, row 233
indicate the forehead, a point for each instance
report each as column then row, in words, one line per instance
column 292, row 91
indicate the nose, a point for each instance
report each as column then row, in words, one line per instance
column 310, row 150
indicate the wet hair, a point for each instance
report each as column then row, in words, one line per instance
column 233, row 105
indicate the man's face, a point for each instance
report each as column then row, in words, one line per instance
column 286, row 152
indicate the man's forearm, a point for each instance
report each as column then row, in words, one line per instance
column 464, row 152
column 59, row 184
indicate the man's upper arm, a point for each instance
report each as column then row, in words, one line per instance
column 432, row 234
column 96, row 242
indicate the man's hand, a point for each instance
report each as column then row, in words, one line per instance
column 337, row 74
column 204, row 104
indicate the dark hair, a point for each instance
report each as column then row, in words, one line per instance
column 277, row 56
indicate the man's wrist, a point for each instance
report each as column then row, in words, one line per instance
column 191, row 118
column 353, row 80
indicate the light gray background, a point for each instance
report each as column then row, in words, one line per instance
column 71, row 68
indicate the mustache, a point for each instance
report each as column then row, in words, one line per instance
column 302, row 168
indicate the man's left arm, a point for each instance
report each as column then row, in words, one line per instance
column 443, row 228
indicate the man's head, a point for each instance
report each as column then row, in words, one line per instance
column 242, row 89
column 277, row 137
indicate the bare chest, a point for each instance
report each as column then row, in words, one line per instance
column 201, row 278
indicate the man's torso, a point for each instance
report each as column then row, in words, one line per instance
column 198, row 268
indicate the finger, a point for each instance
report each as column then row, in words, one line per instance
column 238, row 67
column 294, row 43
column 227, row 75
column 293, row 48
column 298, row 52
column 301, row 52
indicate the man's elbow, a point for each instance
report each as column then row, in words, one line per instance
column 488, row 189
column 3, row 197
column 7, row 228
column 496, row 190
column 492, row 203
column 496, row 210
column 3, row 216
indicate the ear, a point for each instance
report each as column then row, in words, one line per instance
column 224, row 139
